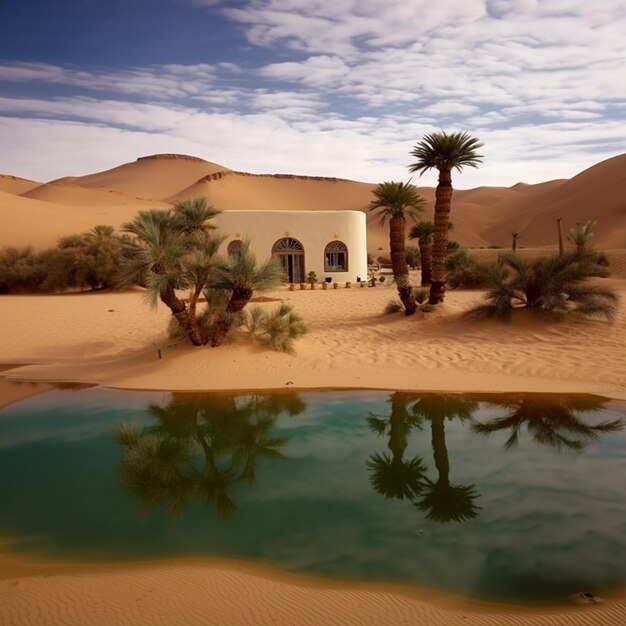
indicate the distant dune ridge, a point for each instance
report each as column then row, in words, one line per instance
column 483, row 216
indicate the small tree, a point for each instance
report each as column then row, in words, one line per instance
column 514, row 238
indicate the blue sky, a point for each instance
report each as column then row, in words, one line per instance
column 317, row 87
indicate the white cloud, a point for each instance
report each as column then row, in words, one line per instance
column 347, row 88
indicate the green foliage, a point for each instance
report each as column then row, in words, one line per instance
column 446, row 151
column 312, row 278
column 413, row 257
column 421, row 294
column 393, row 306
column 462, row 272
column 550, row 287
column 86, row 261
column 452, row 246
column 393, row 199
column 581, row 234
column 278, row 328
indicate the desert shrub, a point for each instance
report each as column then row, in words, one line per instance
column 495, row 246
column 551, row 287
column 393, row 306
column 452, row 246
column 421, row 294
column 20, row 270
column 413, row 257
column 278, row 328
column 87, row 261
column 462, row 272
column 602, row 260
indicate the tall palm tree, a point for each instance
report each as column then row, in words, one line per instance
column 241, row 276
column 443, row 152
column 514, row 238
column 394, row 202
column 553, row 421
column 170, row 250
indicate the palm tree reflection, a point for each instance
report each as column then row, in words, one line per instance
column 550, row 420
column 394, row 477
column 201, row 447
column 441, row 500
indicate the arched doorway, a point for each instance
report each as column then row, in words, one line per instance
column 290, row 253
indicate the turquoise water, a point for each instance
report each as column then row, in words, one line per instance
column 509, row 498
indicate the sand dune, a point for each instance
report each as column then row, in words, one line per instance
column 155, row 177
column 482, row 216
column 16, row 185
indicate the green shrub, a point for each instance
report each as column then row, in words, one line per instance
column 278, row 328
column 393, row 306
column 550, row 287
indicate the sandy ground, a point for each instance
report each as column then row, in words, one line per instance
column 113, row 339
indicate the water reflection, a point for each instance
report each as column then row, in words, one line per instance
column 441, row 500
column 553, row 421
column 394, row 477
column 201, row 447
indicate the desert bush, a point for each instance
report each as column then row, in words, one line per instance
column 86, row 261
column 421, row 294
column 462, row 272
column 20, row 270
column 413, row 257
column 393, row 306
column 278, row 328
column 551, row 287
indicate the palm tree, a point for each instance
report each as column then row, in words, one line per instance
column 514, row 238
column 443, row 152
column 581, row 234
column 393, row 476
column 171, row 250
column 441, row 500
column 394, row 202
column 423, row 232
column 548, row 286
column 560, row 234
column 550, row 420
column 241, row 277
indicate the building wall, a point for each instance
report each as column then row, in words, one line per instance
column 313, row 229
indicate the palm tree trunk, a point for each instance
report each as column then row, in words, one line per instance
column 443, row 199
column 440, row 451
column 238, row 300
column 181, row 313
column 558, row 225
column 426, row 252
column 399, row 264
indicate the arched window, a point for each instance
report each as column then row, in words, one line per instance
column 290, row 253
column 336, row 257
column 234, row 247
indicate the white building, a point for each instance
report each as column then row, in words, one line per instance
column 333, row 244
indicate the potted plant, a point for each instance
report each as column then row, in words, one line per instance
column 312, row 279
